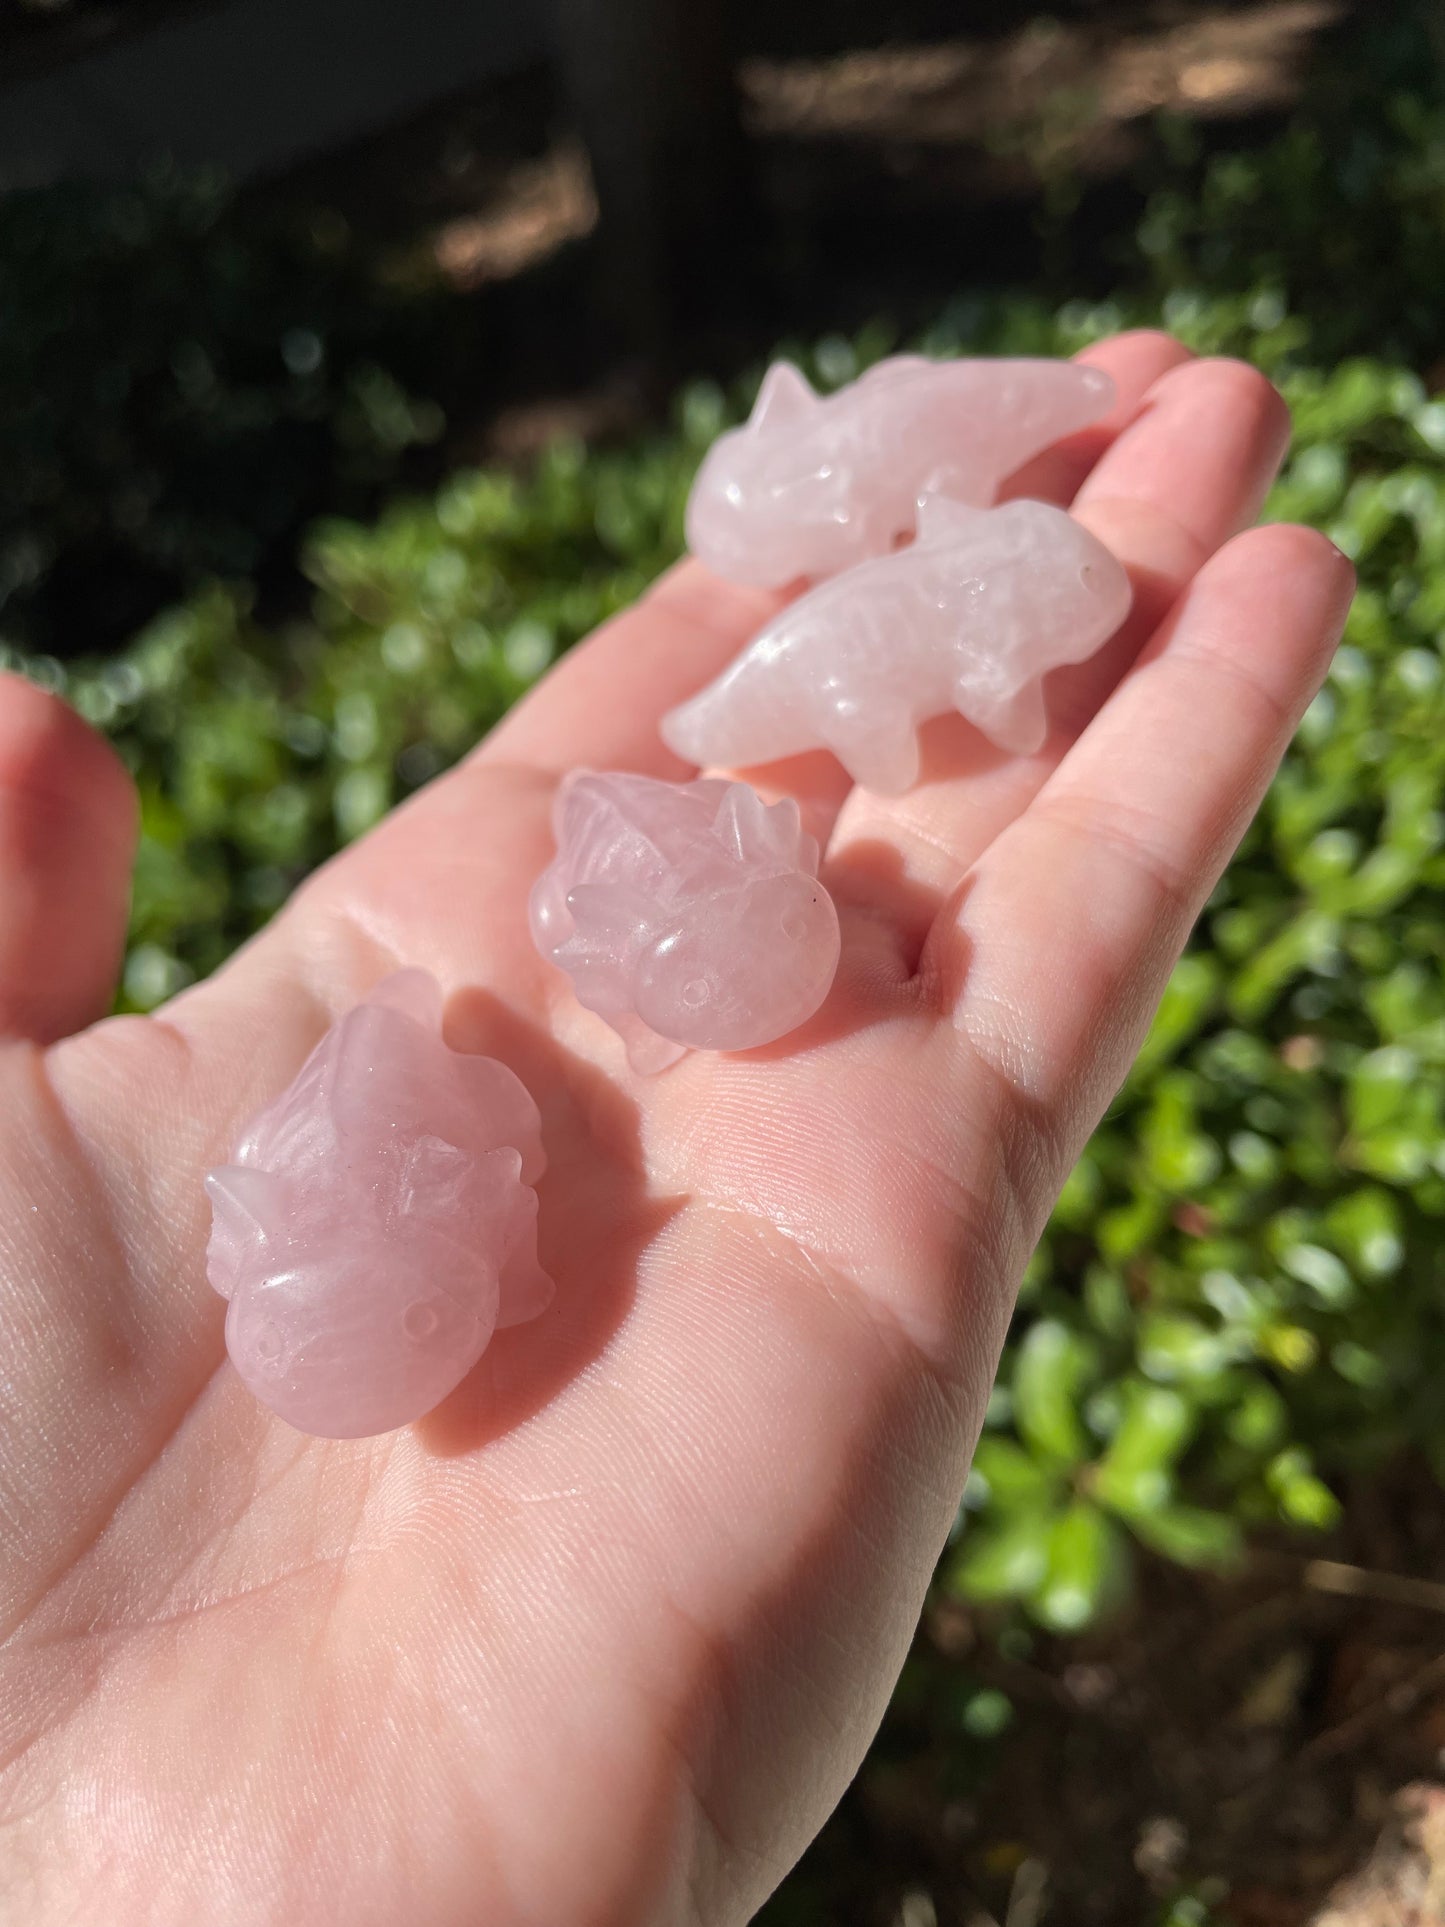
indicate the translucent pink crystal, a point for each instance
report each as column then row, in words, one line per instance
column 378, row 1221
column 811, row 485
column 689, row 915
column 969, row 618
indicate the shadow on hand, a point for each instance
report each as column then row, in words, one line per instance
column 885, row 915
column 595, row 1220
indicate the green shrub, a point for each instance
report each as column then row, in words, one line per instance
column 1338, row 215
column 1242, row 1292
column 1241, row 1289
column 188, row 377
column 1335, row 216
column 1238, row 1298
column 258, row 751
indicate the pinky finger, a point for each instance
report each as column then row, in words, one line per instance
column 1052, row 956
column 67, row 843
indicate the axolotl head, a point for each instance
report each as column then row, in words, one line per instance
column 1071, row 592
column 743, row 966
column 1060, row 592
column 770, row 504
column 353, row 1312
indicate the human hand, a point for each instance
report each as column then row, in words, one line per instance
column 600, row 1642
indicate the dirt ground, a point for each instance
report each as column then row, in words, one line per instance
column 1272, row 1746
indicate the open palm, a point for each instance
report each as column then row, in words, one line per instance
column 600, row 1642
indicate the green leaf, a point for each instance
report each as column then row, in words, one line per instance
column 1011, row 1476
column 1380, row 1089
column 1086, row 1567
column 1303, row 1498
column 1107, row 1302
column 1003, row 1562
column 1178, row 1350
column 1258, row 1418
column 1179, row 1157
column 1309, row 943
column 1309, row 1502
column 1079, row 1199
column 1321, row 1271
column 1190, row 997
column 1367, row 1226
column 1189, row 1535
column 1135, row 1474
column 1054, row 1364
column 1132, row 1227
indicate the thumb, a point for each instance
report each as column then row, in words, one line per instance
column 68, row 826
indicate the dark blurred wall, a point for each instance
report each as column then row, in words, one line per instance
column 652, row 85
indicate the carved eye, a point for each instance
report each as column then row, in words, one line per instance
column 695, row 993
column 268, row 1348
column 419, row 1321
column 1086, row 575
column 795, row 926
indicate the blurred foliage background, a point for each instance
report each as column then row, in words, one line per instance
column 1222, row 1386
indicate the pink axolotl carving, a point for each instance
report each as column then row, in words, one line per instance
column 377, row 1222
column 811, row 485
column 971, row 617
column 688, row 915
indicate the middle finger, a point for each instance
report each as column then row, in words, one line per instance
column 1191, row 469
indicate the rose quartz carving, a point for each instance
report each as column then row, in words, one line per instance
column 810, row 485
column 689, row 915
column 970, row 618
column 378, row 1221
